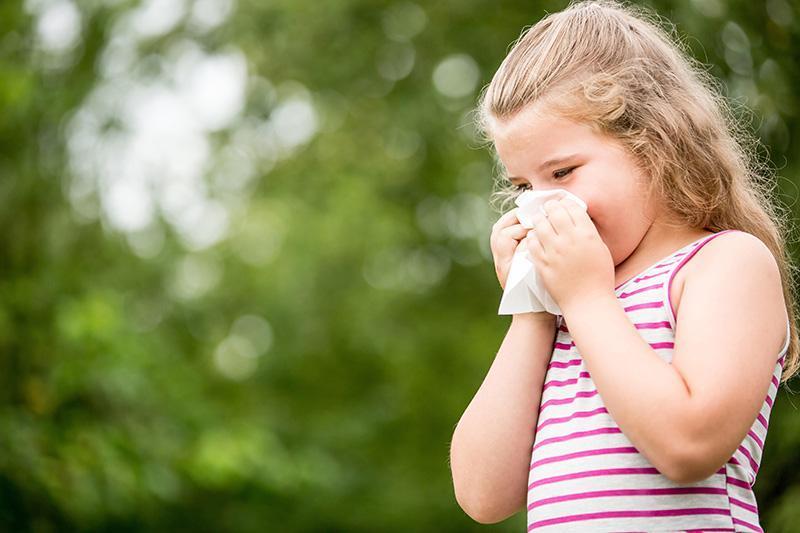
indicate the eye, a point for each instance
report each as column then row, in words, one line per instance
column 566, row 170
column 556, row 175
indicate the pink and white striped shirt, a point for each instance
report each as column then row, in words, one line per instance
column 585, row 475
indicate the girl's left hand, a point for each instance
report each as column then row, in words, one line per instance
column 572, row 260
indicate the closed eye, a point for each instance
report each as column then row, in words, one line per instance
column 556, row 175
column 567, row 170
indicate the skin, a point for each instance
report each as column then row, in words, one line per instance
column 733, row 290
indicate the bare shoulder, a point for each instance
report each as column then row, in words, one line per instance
column 738, row 251
column 741, row 260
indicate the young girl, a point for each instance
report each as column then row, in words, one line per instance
column 645, row 405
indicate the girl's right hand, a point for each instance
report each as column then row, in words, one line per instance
column 507, row 234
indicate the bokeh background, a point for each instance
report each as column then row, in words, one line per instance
column 245, row 275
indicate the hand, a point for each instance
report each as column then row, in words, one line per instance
column 572, row 260
column 507, row 234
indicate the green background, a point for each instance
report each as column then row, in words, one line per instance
column 245, row 276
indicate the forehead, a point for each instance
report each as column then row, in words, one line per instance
column 532, row 128
column 532, row 136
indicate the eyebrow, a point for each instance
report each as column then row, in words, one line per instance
column 550, row 162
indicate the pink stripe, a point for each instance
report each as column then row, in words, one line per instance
column 563, row 346
column 738, row 482
column 626, row 492
column 564, row 364
column 583, row 453
column 668, row 264
column 599, row 473
column 594, row 473
column 561, row 401
column 648, row 269
column 656, row 345
column 645, row 305
column 747, row 524
column 579, row 414
column 630, row 514
column 743, row 505
column 561, row 383
column 652, row 325
column 668, row 261
column 643, row 289
column 753, row 463
column 650, row 276
column 575, row 435
column 756, row 438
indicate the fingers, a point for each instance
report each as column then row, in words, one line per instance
column 558, row 214
column 534, row 243
column 553, row 218
column 579, row 216
column 517, row 231
column 506, row 234
column 505, row 241
column 507, row 231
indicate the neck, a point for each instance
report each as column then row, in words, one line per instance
column 659, row 241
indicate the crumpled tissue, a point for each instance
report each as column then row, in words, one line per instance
column 524, row 292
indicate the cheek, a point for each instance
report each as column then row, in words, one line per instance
column 591, row 203
column 598, row 219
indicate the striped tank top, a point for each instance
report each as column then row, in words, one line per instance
column 585, row 475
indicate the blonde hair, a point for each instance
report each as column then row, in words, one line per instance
column 613, row 67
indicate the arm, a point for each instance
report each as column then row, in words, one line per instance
column 689, row 417
column 490, row 451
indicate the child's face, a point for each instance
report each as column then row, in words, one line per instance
column 603, row 174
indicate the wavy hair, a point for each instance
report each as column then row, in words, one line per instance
column 622, row 70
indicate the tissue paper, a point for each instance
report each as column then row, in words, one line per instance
column 524, row 292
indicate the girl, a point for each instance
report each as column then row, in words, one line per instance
column 645, row 405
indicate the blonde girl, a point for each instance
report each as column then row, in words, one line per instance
column 644, row 406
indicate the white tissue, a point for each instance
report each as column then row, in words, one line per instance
column 524, row 292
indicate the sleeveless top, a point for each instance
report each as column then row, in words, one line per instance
column 586, row 476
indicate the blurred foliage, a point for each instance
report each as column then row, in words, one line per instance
column 246, row 280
